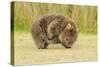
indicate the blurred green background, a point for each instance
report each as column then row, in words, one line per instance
column 26, row 12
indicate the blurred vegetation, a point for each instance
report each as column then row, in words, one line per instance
column 26, row 12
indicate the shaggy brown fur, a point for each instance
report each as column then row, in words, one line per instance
column 54, row 29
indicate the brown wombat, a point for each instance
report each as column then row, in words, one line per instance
column 54, row 29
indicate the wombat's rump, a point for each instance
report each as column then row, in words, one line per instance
column 54, row 29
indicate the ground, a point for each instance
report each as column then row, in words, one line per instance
column 85, row 49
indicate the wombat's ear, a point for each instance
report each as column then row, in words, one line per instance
column 69, row 26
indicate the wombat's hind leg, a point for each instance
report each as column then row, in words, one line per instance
column 46, row 45
column 42, row 44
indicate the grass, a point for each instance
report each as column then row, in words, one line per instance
column 25, row 13
column 85, row 49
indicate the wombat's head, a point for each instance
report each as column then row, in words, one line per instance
column 69, row 35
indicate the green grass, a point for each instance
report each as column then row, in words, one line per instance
column 25, row 13
column 85, row 49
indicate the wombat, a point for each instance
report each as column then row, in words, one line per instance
column 53, row 28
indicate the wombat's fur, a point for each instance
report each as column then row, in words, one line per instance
column 54, row 29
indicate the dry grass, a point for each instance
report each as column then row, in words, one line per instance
column 85, row 49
